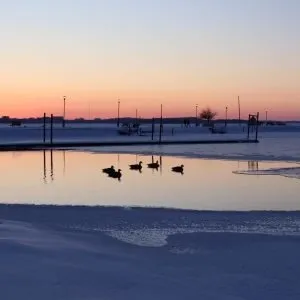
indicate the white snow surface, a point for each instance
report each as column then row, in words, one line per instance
column 50, row 252
column 276, row 142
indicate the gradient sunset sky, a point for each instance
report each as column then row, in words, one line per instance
column 146, row 52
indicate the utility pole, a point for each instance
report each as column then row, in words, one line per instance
column 226, row 116
column 136, row 116
column 161, row 123
column 196, row 121
column 239, row 105
column 64, row 113
column 118, row 120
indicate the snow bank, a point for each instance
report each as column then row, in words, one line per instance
column 115, row 253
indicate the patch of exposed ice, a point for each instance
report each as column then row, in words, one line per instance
column 148, row 237
column 286, row 172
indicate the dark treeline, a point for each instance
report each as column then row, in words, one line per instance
column 179, row 120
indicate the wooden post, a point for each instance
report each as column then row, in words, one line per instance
column 51, row 129
column 152, row 137
column 249, row 126
column 257, row 123
column 44, row 129
column 161, row 124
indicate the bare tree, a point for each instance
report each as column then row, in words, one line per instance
column 208, row 115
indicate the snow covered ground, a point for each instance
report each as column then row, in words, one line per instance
column 123, row 253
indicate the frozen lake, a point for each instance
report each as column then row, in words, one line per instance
column 75, row 178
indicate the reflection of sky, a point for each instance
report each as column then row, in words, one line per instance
column 206, row 184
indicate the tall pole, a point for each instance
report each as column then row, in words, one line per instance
column 161, row 125
column 256, row 129
column 239, row 105
column 44, row 128
column 248, row 133
column 226, row 116
column 118, row 120
column 136, row 116
column 152, row 135
column 64, row 113
column 51, row 129
column 266, row 117
column 196, row 120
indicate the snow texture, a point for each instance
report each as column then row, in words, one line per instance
column 50, row 252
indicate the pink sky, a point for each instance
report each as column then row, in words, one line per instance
column 281, row 106
column 147, row 53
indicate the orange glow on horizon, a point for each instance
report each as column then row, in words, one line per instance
column 103, row 106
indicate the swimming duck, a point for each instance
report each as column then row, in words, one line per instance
column 178, row 169
column 115, row 174
column 153, row 165
column 136, row 166
column 109, row 170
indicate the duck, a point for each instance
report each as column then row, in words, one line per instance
column 178, row 169
column 136, row 166
column 115, row 174
column 153, row 165
column 109, row 170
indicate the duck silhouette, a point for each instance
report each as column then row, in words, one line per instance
column 109, row 170
column 178, row 169
column 153, row 165
column 136, row 166
column 115, row 174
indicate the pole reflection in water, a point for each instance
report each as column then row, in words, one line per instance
column 253, row 165
column 44, row 165
column 160, row 164
column 51, row 164
column 64, row 162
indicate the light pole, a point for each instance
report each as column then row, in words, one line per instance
column 239, row 106
column 118, row 120
column 64, row 113
column 266, row 117
column 136, row 116
column 226, row 116
column 196, row 121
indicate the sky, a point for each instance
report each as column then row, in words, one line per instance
column 178, row 53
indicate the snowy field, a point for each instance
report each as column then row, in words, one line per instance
column 89, row 253
column 122, row 253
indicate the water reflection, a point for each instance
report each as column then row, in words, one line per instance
column 51, row 165
column 76, row 178
column 253, row 165
column 44, row 165
column 45, row 177
column 64, row 162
